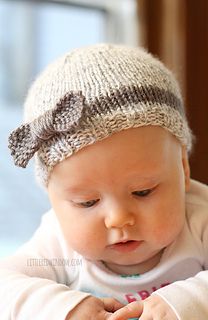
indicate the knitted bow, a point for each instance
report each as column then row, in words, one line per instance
column 28, row 138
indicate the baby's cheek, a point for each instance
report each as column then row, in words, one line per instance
column 82, row 239
column 166, row 233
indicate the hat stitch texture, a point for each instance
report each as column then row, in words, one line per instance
column 91, row 93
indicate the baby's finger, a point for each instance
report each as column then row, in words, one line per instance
column 131, row 310
column 111, row 304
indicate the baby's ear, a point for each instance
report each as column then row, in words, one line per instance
column 186, row 167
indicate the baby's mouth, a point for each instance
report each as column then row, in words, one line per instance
column 125, row 246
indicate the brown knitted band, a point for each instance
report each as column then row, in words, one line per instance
column 73, row 113
column 134, row 95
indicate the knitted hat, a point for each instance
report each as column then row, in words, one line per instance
column 91, row 93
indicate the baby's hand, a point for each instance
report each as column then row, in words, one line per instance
column 153, row 308
column 94, row 308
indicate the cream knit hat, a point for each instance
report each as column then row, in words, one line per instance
column 91, row 93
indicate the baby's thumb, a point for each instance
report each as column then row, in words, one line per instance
column 131, row 310
column 111, row 304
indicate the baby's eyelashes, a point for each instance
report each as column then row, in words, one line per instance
column 86, row 204
column 142, row 193
column 93, row 202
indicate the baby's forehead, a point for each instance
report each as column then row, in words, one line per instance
column 142, row 147
column 132, row 158
column 141, row 136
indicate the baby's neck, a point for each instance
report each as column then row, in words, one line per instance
column 136, row 268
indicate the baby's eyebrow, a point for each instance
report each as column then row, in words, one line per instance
column 86, row 190
column 77, row 189
column 152, row 178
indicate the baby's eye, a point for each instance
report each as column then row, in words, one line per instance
column 142, row 193
column 87, row 204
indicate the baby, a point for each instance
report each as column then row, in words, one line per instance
column 108, row 130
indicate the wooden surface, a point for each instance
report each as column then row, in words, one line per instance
column 177, row 32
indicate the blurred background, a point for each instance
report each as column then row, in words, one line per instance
column 33, row 33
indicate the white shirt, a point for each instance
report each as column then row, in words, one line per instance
column 45, row 280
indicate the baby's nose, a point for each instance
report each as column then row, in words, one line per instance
column 118, row 217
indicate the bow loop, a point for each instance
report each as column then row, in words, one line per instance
column 68, row 112
column 28, row 138
column 22, row 145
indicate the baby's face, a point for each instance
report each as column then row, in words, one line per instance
column 122, row 200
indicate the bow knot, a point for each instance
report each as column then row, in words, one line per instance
column 28, row 138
